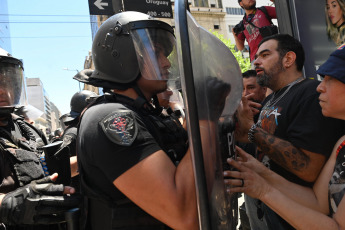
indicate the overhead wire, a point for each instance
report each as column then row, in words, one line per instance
column 44, row 22
column 46, row 15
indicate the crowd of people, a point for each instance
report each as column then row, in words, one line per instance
column 122, row 160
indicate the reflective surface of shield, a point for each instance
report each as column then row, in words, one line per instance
column 202, row 57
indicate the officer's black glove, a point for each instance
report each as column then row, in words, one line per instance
column 215, row 96
column 83, row 75
column 40, row 202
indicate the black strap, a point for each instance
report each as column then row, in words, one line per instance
column 28, row 129
column 264, row 10
column 9, row 136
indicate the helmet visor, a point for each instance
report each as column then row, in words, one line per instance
column 157, row 56
column 12, row 87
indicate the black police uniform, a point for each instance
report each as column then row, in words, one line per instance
column 17, row 134
column 19, row 165
column 115, row 134
column 69, row 148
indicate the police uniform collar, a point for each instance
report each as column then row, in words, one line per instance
column 138, row 103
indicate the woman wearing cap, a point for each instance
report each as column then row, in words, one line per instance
column 320, row 207
column 335, row 19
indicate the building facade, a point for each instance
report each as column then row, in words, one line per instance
column 213, row 15
column 39, row 98
column 55, row 114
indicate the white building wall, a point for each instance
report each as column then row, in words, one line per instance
column 38, row 97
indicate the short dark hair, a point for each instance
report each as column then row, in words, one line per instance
column 249, row 73
column 287, row 43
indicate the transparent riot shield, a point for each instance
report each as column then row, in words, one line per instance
column 203, row 56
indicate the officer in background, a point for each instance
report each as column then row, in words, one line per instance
column 127, row 152
column 28, row 199
column 70, row 120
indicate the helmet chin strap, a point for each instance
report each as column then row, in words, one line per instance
column 5, row 111
column 157, row 109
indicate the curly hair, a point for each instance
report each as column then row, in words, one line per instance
column 334, row 33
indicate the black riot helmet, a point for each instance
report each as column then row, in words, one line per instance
column 12, row 86
column 78, row 102
column 128, row 44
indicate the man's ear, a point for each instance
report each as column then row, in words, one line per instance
column 241, row 4
column 289, row 59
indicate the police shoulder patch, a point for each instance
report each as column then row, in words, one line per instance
column 120, row 127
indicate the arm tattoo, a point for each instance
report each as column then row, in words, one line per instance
column 281, row 152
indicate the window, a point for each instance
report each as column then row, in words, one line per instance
column 220, row 4
column 201, row 3
column 230, row 28
column 234, row 11
column 216, row 27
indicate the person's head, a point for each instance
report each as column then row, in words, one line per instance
column 335, row 11
column 78, row 102
column 12, row 88
column 250, row 86
column 58, row 132
column 132, row 48
column 332, row 88
column 247, row 4
column 335, row 17
column 276, row 54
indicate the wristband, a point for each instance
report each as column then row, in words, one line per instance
column 251, row 132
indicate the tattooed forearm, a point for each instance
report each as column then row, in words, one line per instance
column 280, row 151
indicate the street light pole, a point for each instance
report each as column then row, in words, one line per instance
column 66, row 68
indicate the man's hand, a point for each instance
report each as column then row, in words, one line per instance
column 250, row 162
column 254, row 106
column 40, row 202
column 245, row 117
column 245, row 180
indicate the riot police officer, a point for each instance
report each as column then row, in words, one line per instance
column 126, row 151
column 28, row 198
column 70, row 121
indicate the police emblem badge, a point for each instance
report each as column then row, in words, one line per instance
column 120, row 127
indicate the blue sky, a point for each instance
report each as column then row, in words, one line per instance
column 49, row 36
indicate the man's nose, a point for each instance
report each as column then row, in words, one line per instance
column 166, row 63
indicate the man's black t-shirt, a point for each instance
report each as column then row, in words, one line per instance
column 297, row 118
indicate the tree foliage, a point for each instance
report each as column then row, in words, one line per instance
column 244, row 63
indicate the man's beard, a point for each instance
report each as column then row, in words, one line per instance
column 249, row 7
column 268, row 77
column 263, row 80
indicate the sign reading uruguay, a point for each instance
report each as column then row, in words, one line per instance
column 154, row 8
